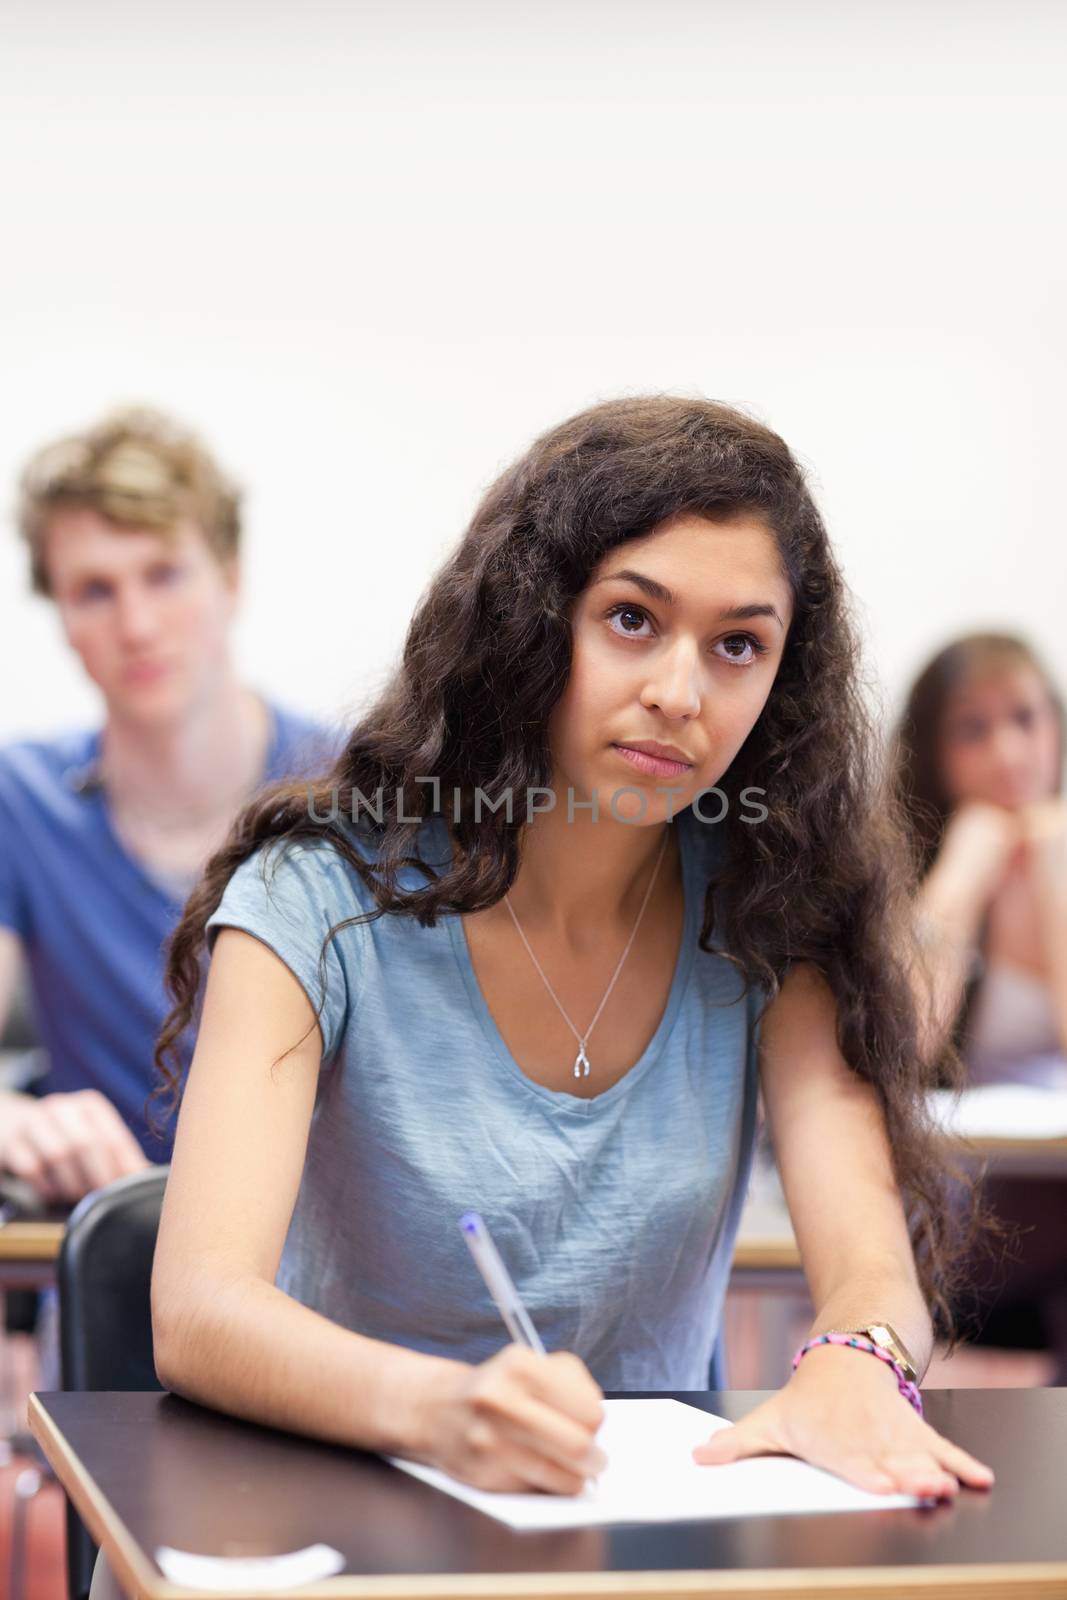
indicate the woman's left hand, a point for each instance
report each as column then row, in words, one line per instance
column 1043, row 830
column 842, row 1410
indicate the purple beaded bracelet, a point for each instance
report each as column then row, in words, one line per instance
column 908, row 1389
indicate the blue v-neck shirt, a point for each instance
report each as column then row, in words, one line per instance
column 616, row 1215
column 92, row 920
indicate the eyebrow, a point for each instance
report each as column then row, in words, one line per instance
column 659, row 591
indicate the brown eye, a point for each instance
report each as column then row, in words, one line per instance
column 744, row 649
column 625, row 610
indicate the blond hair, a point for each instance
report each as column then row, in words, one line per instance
column 137, row 468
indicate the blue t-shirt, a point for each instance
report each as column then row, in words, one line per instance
column 92, row 920
column 616, row 1215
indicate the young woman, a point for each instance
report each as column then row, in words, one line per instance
column 979, row 757
column 553, row 1017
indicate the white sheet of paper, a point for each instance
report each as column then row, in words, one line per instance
column 249, row 1572
column 651, row 1477
column 1002, row 1111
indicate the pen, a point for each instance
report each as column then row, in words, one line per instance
column 498, row 1281
column 497, row 1278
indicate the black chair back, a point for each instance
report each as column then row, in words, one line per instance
column 105, row 1317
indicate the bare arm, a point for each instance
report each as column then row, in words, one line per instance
column 833, row 1153
column 948, row 920
column 840, row 1409
column 226, row 1336
column 950, row 907
column 1044, row 831
column 223, row 1333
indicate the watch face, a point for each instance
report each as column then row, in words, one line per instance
column 882, row 1334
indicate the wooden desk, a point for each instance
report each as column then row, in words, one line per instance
column 28, row 1253
column 149, row 1469
column 1019, row 1158
column 771, row 1253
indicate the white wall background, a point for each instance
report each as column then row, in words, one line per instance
column 370, row 249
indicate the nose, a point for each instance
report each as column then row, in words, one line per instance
column 673, row 682
column 135, row 615
column 1009, row 745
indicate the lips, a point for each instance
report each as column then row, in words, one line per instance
column 661, row 752
column 656, row 766
column 145, row 671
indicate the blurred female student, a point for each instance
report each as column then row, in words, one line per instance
column 979, row 753
column 558, row 1013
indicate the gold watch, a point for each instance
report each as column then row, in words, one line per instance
column 887, row 1339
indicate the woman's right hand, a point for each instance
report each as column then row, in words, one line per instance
column 517, row 1422
column 979, row 843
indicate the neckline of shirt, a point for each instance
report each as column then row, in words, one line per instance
column 584, row 1107
column 84, row 779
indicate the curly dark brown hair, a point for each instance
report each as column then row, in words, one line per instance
column 823, row 879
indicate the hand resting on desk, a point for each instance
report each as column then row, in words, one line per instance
column 842, row 1411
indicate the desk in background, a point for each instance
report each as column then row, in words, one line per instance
column 766, row 1253
column 29, row 1251
column 768, row 1309
column 148, row 1469
column 28, row 1254
column 766, row 1265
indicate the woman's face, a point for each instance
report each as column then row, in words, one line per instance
column 677, row 639
column 1000, row 740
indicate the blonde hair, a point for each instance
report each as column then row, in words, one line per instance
column 137, row 468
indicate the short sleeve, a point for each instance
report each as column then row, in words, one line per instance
column 289, row 895
column 14, row 910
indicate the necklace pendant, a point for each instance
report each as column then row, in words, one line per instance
column 581, row 1059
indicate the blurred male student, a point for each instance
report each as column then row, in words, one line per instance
column 133, row 531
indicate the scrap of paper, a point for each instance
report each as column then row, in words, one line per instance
column 249, row 1572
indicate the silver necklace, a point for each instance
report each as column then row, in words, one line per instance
column 581, row 1060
